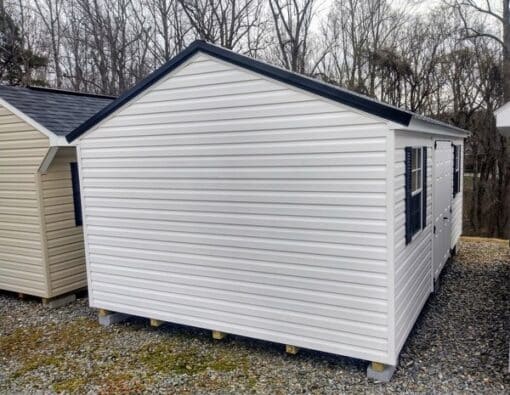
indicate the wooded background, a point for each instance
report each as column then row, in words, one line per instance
column 450, row 61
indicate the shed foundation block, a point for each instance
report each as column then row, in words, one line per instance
column 59, row 301
column 380, row 372
column 107, row 318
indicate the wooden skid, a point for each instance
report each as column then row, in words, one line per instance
column 378, row 367
column 293, row 350
column 155, row 323
column 217, row 335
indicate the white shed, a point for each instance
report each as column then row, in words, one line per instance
column 228, row 194
column 503, row 119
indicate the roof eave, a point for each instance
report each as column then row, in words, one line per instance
column 420, row 125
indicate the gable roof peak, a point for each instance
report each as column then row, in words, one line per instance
column 320, row 88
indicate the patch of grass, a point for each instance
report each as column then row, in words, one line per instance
column 162, row 357
column 36, row 362
column 54, row 345
column 120, row 383
column 72, row 385
column 21, row 342
column 225, row 364
column 81, row 358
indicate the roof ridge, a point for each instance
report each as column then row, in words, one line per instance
column 66, row 91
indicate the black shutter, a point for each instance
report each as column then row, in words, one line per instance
column 408, row 181
column 455, row 172
column 76, row 194
column 459, row 170
column 424, row 189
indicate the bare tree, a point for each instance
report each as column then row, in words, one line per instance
column 451, row 62
column 51, row 13
column 111, row 32
column 292, row 25
column 225, row 22
column 360, row 32
column 170, row 28
column 480, row 28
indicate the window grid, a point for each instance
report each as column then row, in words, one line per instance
column 416, row 171
column 416, row 189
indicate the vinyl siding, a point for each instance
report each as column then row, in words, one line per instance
column 458, row 202
column 413, row 262
column 224, row 200
column 64, row 240
column 22, row 150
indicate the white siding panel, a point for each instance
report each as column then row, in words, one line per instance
column 227, row 201
column 413, row 262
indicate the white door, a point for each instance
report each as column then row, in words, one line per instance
column 442, row 188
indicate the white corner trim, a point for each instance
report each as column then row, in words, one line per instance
column 390, row 245
column 55, row 141
column 50, row 155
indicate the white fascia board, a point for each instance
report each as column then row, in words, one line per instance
column 418, row 125
column 50, row 155
column 55, row 141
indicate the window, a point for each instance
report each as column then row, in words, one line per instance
column 416, row 190
column 416, row 166
column 76, row 194
column 456, row 169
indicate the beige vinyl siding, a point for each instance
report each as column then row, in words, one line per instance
column 228, row 201
column 64, row 240
column 22, row 150
column 413, row 262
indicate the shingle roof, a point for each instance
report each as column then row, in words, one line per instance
column 59, row 111
column 341, row 95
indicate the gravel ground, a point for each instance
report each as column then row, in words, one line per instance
column 459, row 344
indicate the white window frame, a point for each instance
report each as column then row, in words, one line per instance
column 419, row 169
column 457, row 160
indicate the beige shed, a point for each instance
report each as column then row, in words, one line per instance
column 41, row 239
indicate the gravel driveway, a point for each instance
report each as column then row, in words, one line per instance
column 459, row 344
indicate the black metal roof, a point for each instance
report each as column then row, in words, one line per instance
column 332, row 92
column 59, row 111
